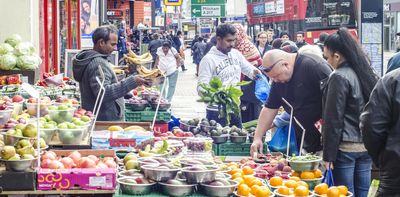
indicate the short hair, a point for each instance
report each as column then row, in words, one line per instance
column 166, row 43
column 103, row 32
column 323, row 36
column 276, row 43
column 261, row 32
column 270, row 29
column 200, row 38
column 224, row 29
column 156, row 36
column 300, row 32
column 178, row 33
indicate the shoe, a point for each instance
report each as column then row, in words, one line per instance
column 184, row 70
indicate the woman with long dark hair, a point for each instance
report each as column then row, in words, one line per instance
column 345, row 93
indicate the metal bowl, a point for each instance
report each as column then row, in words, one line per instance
column 12, row 140
column 238, row 139
column 136, row 106
column 220, row 175
column 18, row 165
column 225, row 190
column 180, row 177
column 134, row 189
column 220, row 139
column 152, row 172
column 186, row 127
column 130, row 173
column 199, row 176
column 177, row 190
column 300, row 166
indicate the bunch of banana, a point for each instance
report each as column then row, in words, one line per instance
column 118, row 71
column 132, row 58
column 146, row 73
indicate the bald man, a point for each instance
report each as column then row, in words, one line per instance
column 297, row 78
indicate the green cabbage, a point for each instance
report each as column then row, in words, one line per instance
column 24, row 48
column 7, row 62
column 28, row 62
column 13, row 40
column 5, row 48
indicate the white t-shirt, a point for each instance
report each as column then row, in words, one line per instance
column 167, row 63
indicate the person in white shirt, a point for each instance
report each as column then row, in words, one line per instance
column 168, row 61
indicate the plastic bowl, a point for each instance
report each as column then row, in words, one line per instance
column 220, row 139
column 313, row 182
column 349, row 194
column 5, row 115
column 300, row 166
column 238, row 139
column 71, row 136
column 310, row 194
column 61, row 116
column 47, row 134
column 32, row 108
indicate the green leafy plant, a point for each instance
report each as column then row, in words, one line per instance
column 227, row 98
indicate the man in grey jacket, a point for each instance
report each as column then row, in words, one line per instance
column 86, row 68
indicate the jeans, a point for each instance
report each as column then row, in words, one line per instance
column 354, row 171
column 212, row 114
column 171, row 85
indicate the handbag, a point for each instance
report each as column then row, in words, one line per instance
column 279, row 141
column 262, row 88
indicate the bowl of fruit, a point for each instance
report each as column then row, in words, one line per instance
column 174, row 187
column 135, row 186
column 322, row 190
column 306, row 162
column 164, row 104
column 48, row 128
column 199, row 144
column 199, row 173
column 32, row 106
column 136, row 104
column 5, row 113
column 18, row 158
column 61, row 113
column 238, row 135
column 69, row 133
column 161, row 172
column 62, row 100
column 220, row 135
column 149, row 95
column 219, row 187
column 189, row 125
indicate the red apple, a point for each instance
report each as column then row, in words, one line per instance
column 17, row 99
column 86, row 162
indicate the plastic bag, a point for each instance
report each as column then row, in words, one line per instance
column 262, row 88
column 373, row 189
column 175, row 122
column 328, row 178
column 279, row 141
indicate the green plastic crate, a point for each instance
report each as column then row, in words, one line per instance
column 146, row 116
column 234, row 149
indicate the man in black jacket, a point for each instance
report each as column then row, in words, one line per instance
column 154, row 45
column 380, row 126
column 86, row 68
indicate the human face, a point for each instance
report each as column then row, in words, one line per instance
column 86, row 7
column 277, row 71
column 226, row 44
column 109, row 46
column 285, row 38
column 270, row 35
column 300, row 37
column 332, row 58
column 263, row 38
column 165, row 49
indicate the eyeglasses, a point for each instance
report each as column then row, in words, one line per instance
column 269, row 68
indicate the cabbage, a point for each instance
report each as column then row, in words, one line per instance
column 7, row 62
column 13, row 40
column 5, row 48
column 28, row 62
column 24, row 48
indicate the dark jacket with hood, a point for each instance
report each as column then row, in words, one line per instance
column 85, row 69
column 380, row 126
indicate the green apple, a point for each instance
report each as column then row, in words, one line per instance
column 85, row 118
column 63, row 125
column 63, row 107
column 52, row 108
column 20, row 126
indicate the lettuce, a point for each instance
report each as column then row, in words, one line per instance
column 13, row 40
column 28, row 62
column 8, row 62
column 5, row 48
column 24, row 48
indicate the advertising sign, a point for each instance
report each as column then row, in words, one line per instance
column 89, row 21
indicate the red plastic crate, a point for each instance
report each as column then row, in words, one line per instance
column 162, row 127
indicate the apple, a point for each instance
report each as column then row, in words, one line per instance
column 17, row 99
column 94, row 158
column 86, row 162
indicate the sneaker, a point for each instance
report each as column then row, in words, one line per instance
column 184, row 70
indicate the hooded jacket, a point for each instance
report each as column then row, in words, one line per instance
column 227, row 67
column 85, row 67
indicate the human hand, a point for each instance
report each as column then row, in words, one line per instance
column 256, row 147
column 256, row 74
column 328, row 165
column 141, row 81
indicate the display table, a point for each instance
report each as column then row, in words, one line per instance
column 59, row 192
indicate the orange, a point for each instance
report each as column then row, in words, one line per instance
column 233, row 164
column 256, row 182
column 290, row 184
column 232, row 172
column 317, row 173
column 243, row 190
column 254, row 189
column 301, row 191
column 294, row 178
column 321, row 188
column 239, row 180
column 307, row 175
column 333, row 192
column 283, row 190
column 236, row 175
column 299, row 183
column 343, row 190
column 247, row 170
column 248, row 179
column 263, row 192
column 275, row 181
column 296, row 174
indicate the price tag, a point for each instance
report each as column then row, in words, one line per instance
column 97, row 181
column 30, row 90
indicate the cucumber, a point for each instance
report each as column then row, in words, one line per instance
column 249, row 124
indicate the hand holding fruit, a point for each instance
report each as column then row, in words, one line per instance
column 141, row 81
column 256, row 146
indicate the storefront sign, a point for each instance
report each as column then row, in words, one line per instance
column 114, row 13
column 270, row 7
column 280, row 6
column 259, row 9
column 173, row 2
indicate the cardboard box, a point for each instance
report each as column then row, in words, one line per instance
column 79, row 178
column 121, row 139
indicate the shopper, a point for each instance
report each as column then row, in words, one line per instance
column 276, row 43
column 344, row 96
column 154, row 45
column 270, row 36
column 394, row 62
column 226, row 63
column 284, row 36
column 168, row 61
column 262, row 43
column 296, row 77
column 300, row 42
column 322, row 37
column 380, row 126
column 198, row 53
column 121, row 46
column 86, row 69
column 179, row 46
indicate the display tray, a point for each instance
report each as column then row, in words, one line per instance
column 57, row 144
column 59, row 192
column 234, row 149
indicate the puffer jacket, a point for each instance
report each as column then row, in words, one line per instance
column 342, row 103
column 380, row 126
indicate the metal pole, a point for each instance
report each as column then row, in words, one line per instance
column 153, row 11
column 165, row 19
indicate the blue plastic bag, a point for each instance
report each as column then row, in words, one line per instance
column 262, row 88
column 279, row 141
column 328, row 178
column 174, row 122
